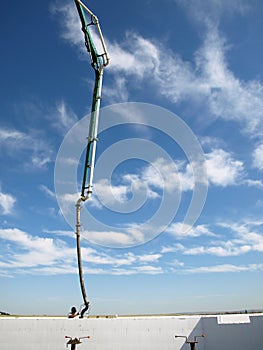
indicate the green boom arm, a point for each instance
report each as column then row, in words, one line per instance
column 98, row 62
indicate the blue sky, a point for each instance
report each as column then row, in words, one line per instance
column 184, row 85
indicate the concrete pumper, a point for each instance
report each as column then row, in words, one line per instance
column 98, row 62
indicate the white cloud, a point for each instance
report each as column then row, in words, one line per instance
column 137, row 58
column 7, row 135
column 224, row 268
column 242, row 238
column 222, row 169
column 14, row 139
column 40, row 161
column 29, row 251
column 150, row 270
column 118, row 91
column 212, row 142
column 226, row 249
column 208, row 79
column 181, row 230
column 65, row 117
column 147, row 181
column 125, row 259
column 229, row 97
column 178, row 247
column 253, row 183
column 47, row 191
column 70, row 197
column 110, row 237
column 207, row 11
column 14, row 142
column 109, row 193
column 62, row 233
column 257, row 157
column 129, row 235
column 221, row 249
column 149, row 258
column 70, row 24
column 7, row 202
column 161, row 173
column 248, row 233
column 69, row 161
column 34, row 254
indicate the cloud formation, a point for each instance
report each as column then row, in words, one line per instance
column 207, row 78
column 7, row 202
column 15, row 142
column 239, row 239
column 222, row 169
column 257, row 157
column 65, row 117
column 44, row 255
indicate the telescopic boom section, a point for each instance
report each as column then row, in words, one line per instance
column 98, row 62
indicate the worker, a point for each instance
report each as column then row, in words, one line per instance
column 73, row 313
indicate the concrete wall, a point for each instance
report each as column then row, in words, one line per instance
column 242, row 332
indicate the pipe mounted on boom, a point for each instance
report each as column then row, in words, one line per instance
column 98, row 62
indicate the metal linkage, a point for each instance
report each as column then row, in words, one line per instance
column 191, row 342
column 98, row 62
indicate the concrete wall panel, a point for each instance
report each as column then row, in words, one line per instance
column 131, row 333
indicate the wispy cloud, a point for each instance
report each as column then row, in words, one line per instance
column 109, row 193
column 70, row 25
column 138, row 58
column 7, row 202
column 205, row 12
column 248, row 232
column 65, row 117
column 160, row 175
column 44, row 254
column 13, row 142
column 257, row 157
column 253, row 183
column 180, row 230
column 47, row 191
column 35, row 254
column 9, row 135
column 222, row 249
column 207, row 79
column 118, row 91
column 224, row 268
column 222, row 170
column 238, row 239
column 29, row 251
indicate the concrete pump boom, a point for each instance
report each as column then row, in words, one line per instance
column 98, row 62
